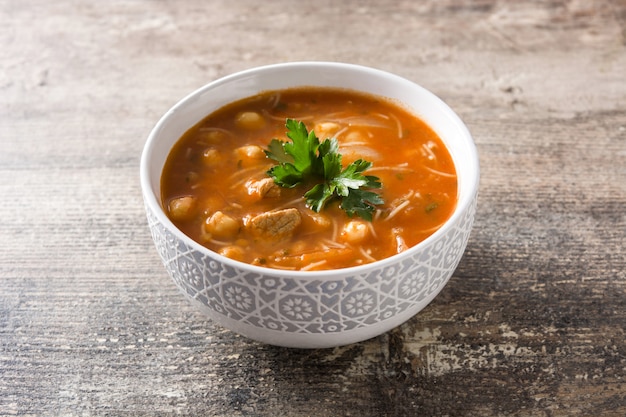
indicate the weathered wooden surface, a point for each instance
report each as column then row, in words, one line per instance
column 533, row 321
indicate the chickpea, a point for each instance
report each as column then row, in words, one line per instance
column 250, row 152
column 318, row 220
column 249, row 120
column 181, row 208
column 242, row 243
column 211, row 157
column 354, row 231
column 212, row 136
column 222, row 226
column 232, row 252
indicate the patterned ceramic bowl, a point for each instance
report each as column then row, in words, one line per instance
column 322, row 308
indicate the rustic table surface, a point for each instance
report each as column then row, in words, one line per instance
column 531, row 324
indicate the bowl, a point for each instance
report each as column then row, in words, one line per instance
column 311, row 309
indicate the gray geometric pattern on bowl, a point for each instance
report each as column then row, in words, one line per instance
column 305, row 304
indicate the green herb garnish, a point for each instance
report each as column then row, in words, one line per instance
column 306, row 160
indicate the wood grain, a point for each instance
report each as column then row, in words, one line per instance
column 531, row 324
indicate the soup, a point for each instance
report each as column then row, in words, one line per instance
column 216, row 186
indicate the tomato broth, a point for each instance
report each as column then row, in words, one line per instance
column 216, row 189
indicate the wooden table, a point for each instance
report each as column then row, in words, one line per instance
column 532, row 322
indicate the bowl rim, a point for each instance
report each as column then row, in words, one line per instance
column 152, row 201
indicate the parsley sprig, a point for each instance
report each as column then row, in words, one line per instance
column 306, row 160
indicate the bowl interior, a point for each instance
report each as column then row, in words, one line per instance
column 196, row 106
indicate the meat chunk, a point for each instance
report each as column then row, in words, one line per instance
column 275, row 225
column 263, row 188
column 355, row 231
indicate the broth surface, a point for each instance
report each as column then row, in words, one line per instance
column 215, row 186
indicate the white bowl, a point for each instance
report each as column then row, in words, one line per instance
column 313, row 309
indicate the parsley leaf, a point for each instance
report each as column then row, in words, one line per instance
column 276, row 151
column 303, row 146
column 307, row 160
